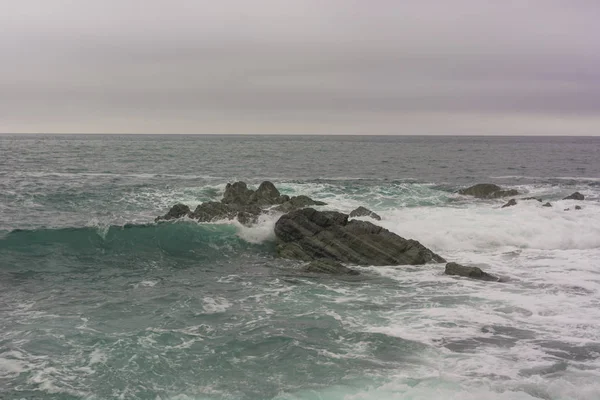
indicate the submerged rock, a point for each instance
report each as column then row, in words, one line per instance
column 487, row 191
column 453, row 268
column 532, row 198
column 308, row 234
column 325, row 266
column 578, row 207
column 177, row 211
column 364, row 212
column 547, row 204
column 511, row 202
column 575, row 196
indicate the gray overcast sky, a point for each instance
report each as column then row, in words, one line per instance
column 306, row 66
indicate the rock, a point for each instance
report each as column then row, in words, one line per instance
column 578, row 207
column 325, row 266
column 575, row 196
column 298, row 202
column 487, row 191
column 511, row 202
column 214, row 211
column 453, row 268
column 237, row 193
column 532, row 198
column 364, row 212
column 267, row 195
column 547, row 204
column 308, row 234
column 567, row 209
column 177, row 211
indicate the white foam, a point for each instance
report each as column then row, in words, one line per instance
column 214, row 305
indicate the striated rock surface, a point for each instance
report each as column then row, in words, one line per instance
column 325, row 266
column 308, row 234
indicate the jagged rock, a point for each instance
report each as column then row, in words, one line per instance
column 308, row 234
column 511, row 202
column 487, row 191
column 532, row 198
column 298, row 202
column 237, row 193
column 453, row 268
column 547, row 204
column 364, row 212
column 267, row 195
column 575, row 196
column 177, row 211
column 325, row 266
column 214, row 211
column 578, row 207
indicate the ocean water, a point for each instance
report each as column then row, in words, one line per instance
column 99, row 302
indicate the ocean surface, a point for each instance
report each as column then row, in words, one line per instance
column 99, row 302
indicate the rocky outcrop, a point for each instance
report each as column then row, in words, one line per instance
column 325, row 266
column 511, row 202
column 308, row 235
column 298, row 202
column 487, row 191
column 547, row 204
column 575, row 196
column 177, row 211
column 364, row 212
column 453, row 268
column 241, row 203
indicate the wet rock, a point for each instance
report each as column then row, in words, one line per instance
column 177, row 211
column 267, row 195
column 511, row 202
column 575, row 196
column 308, row 234
column 237, row 193
column 364, row 212
column 578, row 207
column 214, row 211
column 298, row 202
column 487, row 191
column 547, row 204
column 453, row 268
column 325, row 266
column 532, row 198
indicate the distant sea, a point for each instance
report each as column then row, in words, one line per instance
column 99, row 302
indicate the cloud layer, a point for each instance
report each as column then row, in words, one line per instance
column 306, row 66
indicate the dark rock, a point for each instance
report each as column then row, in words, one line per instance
column 578, row 207
column 487, row 191
column 325, row 266
column 364, row 212
column 453, row 268
column 247, row 218
column 214, row 211
column 566, row 209
column 511, row 202
column 575, row 196
column 547, row 204
column 298, row 202
column 532, row 198
column 237, row 193
column 177, row 211
column 308, row 234
column 267, row 195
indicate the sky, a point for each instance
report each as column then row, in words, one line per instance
column 380, row 67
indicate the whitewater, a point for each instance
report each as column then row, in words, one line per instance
column 97, row 301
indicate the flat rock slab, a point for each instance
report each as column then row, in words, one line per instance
column 308, row 234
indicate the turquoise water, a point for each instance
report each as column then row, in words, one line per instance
column 98, row 302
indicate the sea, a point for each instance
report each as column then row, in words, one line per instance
column 97, row 301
